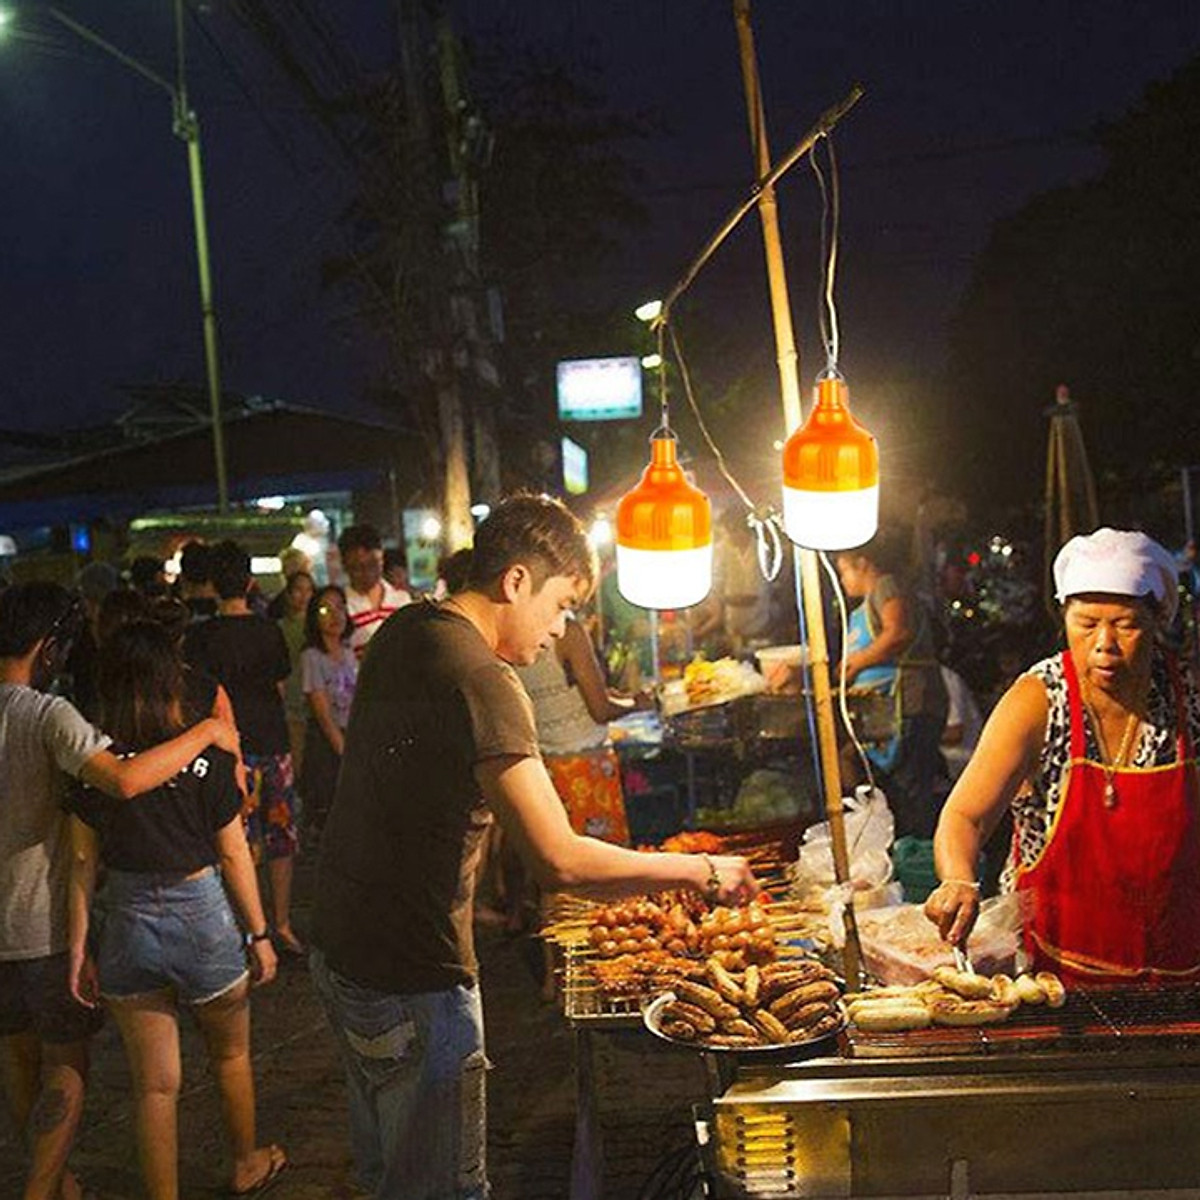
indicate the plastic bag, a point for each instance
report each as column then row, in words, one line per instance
column 901, row 945
column 870, row 828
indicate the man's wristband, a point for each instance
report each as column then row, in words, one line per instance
column 712, row 886
column 971, row 883
column 251, row 938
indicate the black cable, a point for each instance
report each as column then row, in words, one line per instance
column 239, row 82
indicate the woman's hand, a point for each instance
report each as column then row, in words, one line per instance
column 953, row 906
column 82, row 978
column 263, row 962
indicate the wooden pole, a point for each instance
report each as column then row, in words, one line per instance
column 787, row 360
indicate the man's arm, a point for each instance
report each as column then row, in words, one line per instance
column 85, row 854
column 523, row 798
column 124, row 778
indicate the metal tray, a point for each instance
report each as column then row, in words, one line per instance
column 786, row 1052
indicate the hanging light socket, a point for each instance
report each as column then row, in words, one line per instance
column 664, row 534
column 831, row 475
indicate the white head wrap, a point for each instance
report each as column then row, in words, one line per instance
column 1122, row 562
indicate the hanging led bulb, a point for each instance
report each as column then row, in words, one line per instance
column 830, row 474
column 664, row 534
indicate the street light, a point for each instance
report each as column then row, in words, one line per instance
column 186, row 127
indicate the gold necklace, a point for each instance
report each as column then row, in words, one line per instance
column 1109, row 765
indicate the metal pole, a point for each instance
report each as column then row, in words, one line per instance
column 186, row 127
column 810, row 573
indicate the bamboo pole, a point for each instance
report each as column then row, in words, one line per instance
column 787, row 360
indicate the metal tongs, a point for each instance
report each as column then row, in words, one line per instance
column 962, row 960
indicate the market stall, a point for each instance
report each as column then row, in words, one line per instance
column 1095, row 1099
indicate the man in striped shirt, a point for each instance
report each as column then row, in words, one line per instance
column 370, row 599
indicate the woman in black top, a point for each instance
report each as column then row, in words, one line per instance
column 169, row 937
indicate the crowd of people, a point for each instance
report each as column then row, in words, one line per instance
column 154, row 743
column 143, row 799
column 138, row 810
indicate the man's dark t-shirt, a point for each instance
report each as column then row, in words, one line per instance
column 399, row 850
column 248, row 657
column 170, row 829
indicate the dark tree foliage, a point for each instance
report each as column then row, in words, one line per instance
column 560, row 194
column 1093, row 286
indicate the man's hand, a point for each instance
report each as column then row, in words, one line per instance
column 83, row 979
column 953, row 906
column 735, row 882
column 225, row 736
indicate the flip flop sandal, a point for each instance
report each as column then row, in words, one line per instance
column 278, row 1164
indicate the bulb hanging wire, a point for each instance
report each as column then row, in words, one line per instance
column 831, row 217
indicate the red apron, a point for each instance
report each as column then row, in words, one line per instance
column 1114, row 896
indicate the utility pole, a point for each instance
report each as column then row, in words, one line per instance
column 787, row 359
column 442, row 365
column 468, row 147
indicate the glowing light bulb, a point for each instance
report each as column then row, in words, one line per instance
column 831, row 475
column 664, row 534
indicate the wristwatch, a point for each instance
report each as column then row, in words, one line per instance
column 251, row 938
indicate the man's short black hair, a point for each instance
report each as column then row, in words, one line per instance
column 537, row 530
column 195, row 563
column 230, row 570
column 30, row 612
column 145, row 574
column 359, row 537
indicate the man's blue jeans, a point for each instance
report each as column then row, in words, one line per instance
column 415, row 1071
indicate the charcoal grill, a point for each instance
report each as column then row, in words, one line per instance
column 1100, row 1099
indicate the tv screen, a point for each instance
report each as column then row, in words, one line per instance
column 575, row 468
column 599, row 389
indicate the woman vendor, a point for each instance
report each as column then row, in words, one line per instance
column 889, row 650
column 1094, row 751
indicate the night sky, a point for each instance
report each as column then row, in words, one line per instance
column 971, row 108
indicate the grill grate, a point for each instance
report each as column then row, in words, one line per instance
column 583, row 1001
column 1090, row 1020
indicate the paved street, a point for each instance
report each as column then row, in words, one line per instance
column 645, row 1097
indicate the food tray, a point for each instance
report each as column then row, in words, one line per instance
column 786, row 1052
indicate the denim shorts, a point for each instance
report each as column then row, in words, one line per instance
column 416, row 1078
column 168, row 932
column 35, row 998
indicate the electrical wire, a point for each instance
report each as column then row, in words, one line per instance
column 831, row 218
column 843, row 706
column 765, row 523
column 675, row 1175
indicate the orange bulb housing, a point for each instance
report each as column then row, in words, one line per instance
column 664, row 534
column 831, row 475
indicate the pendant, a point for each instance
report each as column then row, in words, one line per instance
column 1110, row 794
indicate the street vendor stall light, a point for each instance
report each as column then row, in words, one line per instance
column 650, row 311
column 431, row 529
column 480, row 511
column 830, row 475
column 664, row 534
column 601, row 533
column 651, row 361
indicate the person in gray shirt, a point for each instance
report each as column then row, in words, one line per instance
column 43, row 741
